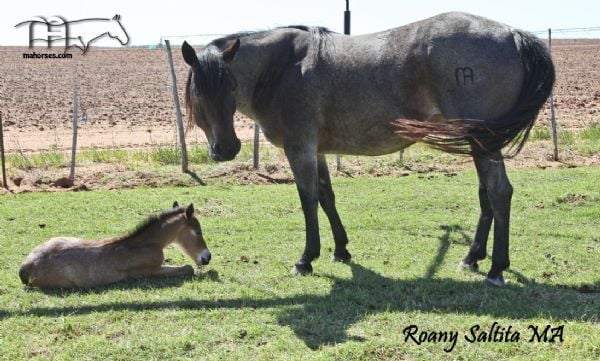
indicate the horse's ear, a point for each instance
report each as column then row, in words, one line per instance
column 175, row 204
column 189, row 212
column 189, row 54
column 229, row 52
column 117, row 17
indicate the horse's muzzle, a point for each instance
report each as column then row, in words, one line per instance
column 221, row 151
column 204, row 258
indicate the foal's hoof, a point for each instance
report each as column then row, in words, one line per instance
column 473, row 267
column 343, row 256
column 302, row 269
column 496, row 282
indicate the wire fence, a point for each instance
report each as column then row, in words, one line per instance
column 125, row 100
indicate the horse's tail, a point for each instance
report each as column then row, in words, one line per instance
column 469, row 136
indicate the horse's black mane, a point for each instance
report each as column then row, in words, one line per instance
column 318, row 32
column 212, row 69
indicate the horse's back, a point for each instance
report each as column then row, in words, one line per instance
column 473, row 64
column 66, row 262
column 450, row 66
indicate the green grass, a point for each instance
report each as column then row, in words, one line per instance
column 585, row 142
column 407, row 236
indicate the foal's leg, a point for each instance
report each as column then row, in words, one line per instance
column 164, row 271
column 327, row 200
column 173, row 271
column 303, row 161
column 492, row 175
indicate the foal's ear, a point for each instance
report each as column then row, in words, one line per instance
column 229, row 52
column 189, row 54
column 189, row 212
column 175, row 204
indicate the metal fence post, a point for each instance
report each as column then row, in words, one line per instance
column 180, row 130
column 74, row 145
column 4, row 184
column 256, row 145
column 552, row 114
column 338, row 159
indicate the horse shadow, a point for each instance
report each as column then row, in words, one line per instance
column 320, row 320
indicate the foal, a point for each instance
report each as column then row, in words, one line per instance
column 73, row 262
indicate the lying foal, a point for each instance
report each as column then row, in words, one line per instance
column 74, row 262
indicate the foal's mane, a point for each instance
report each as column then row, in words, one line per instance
column 150, row 221
column 319, row 45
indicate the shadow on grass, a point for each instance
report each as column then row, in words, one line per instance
column 195, row 177
column 324, row 319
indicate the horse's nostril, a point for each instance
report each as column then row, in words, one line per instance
column 205, row 257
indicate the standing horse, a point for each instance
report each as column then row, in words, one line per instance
column 73, row 262
column 459, row 82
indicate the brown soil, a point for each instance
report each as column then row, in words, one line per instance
column 126, row 94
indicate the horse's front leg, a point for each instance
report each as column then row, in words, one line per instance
column 303, row 162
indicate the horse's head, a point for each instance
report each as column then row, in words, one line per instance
column 117, row 31
column 190, row 237
column 209, row 97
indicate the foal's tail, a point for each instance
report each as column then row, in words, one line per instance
column 476, row 137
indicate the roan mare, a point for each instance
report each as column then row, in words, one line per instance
column 458, row 82
column 67, row 262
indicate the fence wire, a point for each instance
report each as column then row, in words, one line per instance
column 125, row 100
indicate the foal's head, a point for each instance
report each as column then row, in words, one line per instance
column 190, row 237
column 209, row 97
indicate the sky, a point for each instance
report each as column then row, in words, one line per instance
column 147, row 22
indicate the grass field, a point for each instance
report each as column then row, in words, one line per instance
column 407, row 236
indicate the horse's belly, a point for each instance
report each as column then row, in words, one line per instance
column 376, row 139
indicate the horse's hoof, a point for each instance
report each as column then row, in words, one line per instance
column 302, row 269
column 496, row 282
column 473, row 267
column 344, row 257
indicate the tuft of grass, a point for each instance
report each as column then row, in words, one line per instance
column 539, row 133
column 199, row 155
column 38, row 160
column 166, row 155
column 591, row 132
column 97, row 155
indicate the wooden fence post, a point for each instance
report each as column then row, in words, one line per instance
column 4, row 184
column 180, row 130
column 552, row 114
column 74, row 145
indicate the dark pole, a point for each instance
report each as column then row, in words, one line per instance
column 347, row 18
column 338, row 160
column 4, row 184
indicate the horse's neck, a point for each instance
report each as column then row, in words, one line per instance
column 160, row 234
column 254, row 59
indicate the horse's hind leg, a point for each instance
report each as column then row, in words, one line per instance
column 327, row 201
column 478, row 248
column 492, row 175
